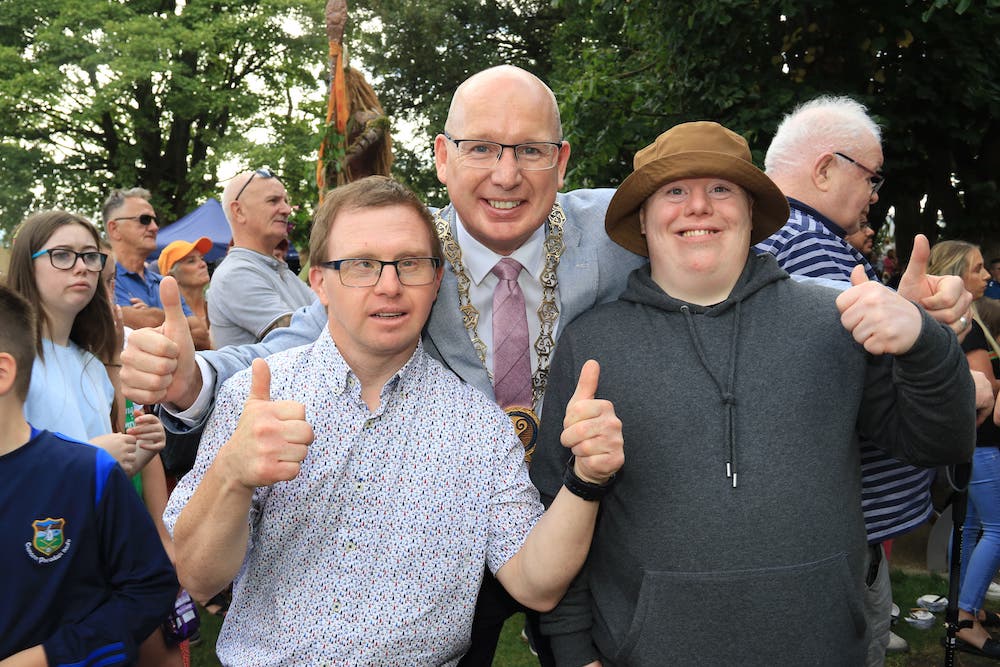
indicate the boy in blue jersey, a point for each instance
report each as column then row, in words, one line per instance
column 83, row 574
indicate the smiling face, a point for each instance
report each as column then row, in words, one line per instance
column 65, row 292
column 501, row 206
column 698, row 233
column 376, row 327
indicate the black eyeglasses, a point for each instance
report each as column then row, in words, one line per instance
column 876, row 179
column 531, row 156
column 65, row 259
column 145, row 219
column 412, row 271
column 263, row 173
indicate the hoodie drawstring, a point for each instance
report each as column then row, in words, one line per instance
column 725, row 392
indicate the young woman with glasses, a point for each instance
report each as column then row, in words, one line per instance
column 56, row 263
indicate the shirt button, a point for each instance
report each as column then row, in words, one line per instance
column 351, row 546
column 335, row 606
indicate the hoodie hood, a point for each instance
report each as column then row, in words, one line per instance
column 758, row 272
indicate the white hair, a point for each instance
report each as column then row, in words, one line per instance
column 824, row 125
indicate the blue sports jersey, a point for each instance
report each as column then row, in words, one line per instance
column 82, row 569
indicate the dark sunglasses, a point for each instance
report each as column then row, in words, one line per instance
column 145, row 219
column 263, row 173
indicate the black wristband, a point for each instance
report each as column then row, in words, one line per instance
column 583, row 489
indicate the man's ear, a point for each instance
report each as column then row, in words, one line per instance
column 112, row 228
column 822, row 176
column 441, row 158
column 317, row 277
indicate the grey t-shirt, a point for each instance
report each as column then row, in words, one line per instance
column 248, row 293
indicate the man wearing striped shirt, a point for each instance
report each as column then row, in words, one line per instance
column 826, row 157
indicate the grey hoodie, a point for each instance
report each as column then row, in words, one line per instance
column 733, row 534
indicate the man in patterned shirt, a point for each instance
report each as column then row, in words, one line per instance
column 364, row 544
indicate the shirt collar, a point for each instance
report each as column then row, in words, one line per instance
column 480, row 260
column 810, row 211
column 341, row 376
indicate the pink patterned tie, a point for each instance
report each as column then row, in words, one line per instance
column 511, row 356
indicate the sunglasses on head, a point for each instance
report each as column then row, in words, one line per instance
column 263, row 173
column 145, row 219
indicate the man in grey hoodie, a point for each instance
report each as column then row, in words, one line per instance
column 742, row 490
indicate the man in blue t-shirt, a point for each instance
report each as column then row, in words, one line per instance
column 132, row 226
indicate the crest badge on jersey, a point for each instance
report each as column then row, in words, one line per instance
column 49, row 535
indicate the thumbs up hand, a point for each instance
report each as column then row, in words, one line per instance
column 592, row 429
column 158, row 365
column 878, row 318
column 943, row 297
column 271, row 439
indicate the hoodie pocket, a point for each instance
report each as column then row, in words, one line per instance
column 804, row 614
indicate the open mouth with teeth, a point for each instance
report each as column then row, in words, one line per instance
column 503, row 204
column 387, row 316
column 698, row 232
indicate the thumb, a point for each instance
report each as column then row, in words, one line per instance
column 260, row 381
column 586, row 386
column 858, row 276
column 917, row 268
column 173, row 314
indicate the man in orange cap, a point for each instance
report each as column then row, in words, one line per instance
column 742, row 490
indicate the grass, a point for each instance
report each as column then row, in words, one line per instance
column 511, row 651
column 925, row 645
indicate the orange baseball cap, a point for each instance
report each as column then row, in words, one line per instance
column 178, row 250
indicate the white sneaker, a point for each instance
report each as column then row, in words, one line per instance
column 897, row 644
column 993, row 592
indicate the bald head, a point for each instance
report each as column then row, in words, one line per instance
column 234, row 186
column 510, row 81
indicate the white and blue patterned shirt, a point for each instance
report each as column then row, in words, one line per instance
column 894, row 495
column 374, row 554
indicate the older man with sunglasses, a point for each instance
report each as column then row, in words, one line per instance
column 132, row 225
column 253, row 292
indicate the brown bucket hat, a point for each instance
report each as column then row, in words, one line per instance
column 701, row 149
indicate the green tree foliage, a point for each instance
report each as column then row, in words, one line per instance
column 626, row 71
column 418, row 53
column 156, row 93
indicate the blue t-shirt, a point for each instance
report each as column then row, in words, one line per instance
column 130, row 285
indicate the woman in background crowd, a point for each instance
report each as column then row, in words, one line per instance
column 981, row 559
column 186, row 262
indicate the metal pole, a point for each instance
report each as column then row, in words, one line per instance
column 960, row 481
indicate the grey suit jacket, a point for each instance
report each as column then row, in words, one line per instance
column 593, row 269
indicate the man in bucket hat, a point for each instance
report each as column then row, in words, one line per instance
column 742, row 491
